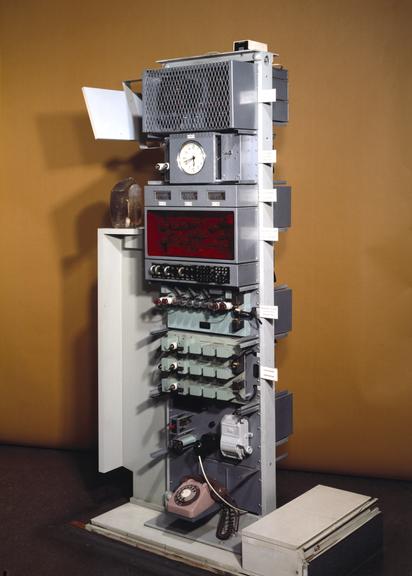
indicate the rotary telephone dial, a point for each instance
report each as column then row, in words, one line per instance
column 193, row 500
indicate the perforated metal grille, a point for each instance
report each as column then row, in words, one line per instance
column 187, row 98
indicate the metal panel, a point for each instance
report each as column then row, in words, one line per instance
column 244, row 81
column 266, row 266
column 212, row 195
column 248, row 156
column 280, row 108
column 283, row 300
column 280, row 112
column 280, row 83
column 284, row 415
column 239, row 274
column 350, row 552
column 282, row 207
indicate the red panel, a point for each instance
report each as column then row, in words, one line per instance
column 191, row 234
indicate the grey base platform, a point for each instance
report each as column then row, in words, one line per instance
column 204, row 532
column 323, row 532
column 129, row 524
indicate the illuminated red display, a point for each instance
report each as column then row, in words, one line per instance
column 191, row 234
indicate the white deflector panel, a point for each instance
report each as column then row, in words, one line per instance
column 110, row 114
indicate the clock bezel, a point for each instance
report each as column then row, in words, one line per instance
column 178, row 158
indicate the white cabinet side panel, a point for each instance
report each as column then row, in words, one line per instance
column 131, row 424
column 110, row 352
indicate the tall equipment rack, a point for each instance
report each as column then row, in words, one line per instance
column 188, row 308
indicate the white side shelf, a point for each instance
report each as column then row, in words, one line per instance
column 130, row 423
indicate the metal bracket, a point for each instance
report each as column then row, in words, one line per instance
column 247, row 342
column 267, row 157
column 269, row 234
column 281, row 457
column 270, row 374
column 268, row 195
column 268, row 312
column 267, row 95
column 159, row 332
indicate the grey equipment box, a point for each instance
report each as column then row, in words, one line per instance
column 324, row 532
column 228, row 158
column 199, row 97
column 201, row 196
column 282, row 206
column 284, row 415
column 245, row 232
column 280, row 108
column 283, row 300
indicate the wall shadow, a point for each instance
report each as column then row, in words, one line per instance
column 67, row 141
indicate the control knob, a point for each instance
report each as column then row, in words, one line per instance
column 167, row 300
column 224, row 306
column 162, row 166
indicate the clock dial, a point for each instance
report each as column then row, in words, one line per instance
column 191, row 157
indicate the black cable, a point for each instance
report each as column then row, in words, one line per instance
column 229, row 513
column 228, row 523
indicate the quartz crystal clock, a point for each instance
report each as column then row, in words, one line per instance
column 209, row 157
column 191, row 157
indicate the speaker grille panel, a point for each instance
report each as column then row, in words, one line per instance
column 187, row 98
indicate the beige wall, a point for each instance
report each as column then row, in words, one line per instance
column 347, row 153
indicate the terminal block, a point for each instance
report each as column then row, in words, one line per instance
column 204, row 366
column 211, row 310
column 198, row 344
column 192, row 366
column 232, row 391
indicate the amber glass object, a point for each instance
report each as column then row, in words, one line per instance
column 126, row 204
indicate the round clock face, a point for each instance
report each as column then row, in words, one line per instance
column 191, row 157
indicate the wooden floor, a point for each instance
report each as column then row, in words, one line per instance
column 47, row 495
